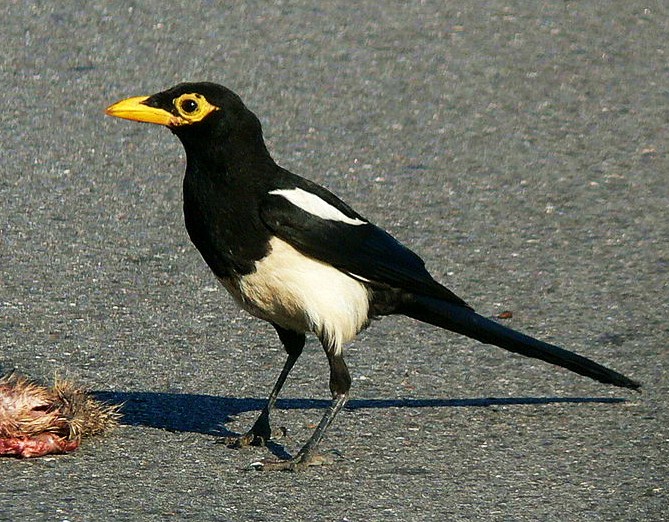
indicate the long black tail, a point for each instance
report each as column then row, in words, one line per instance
column 465, row 321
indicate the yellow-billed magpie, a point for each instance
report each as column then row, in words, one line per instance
column 292, row 253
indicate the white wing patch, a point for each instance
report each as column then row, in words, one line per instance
column 315, row 205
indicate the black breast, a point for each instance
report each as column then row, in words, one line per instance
column 224, row 224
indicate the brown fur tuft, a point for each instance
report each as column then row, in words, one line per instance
column 36, row 420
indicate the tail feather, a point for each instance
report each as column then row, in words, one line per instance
column 467, row 322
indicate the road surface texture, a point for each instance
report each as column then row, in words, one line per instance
column 519, row 147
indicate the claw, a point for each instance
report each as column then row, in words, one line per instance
column 251, row 438
column 298, row 463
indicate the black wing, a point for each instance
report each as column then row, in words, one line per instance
column 364, row 250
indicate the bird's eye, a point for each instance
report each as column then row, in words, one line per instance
column 189, row 106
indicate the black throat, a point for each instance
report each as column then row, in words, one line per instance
column 227, row 176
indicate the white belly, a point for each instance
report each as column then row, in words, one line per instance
column 304, row 295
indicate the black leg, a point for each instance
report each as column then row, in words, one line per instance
column 340, row 384
column 261, row 431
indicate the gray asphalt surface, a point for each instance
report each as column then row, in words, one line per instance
column 519, row 147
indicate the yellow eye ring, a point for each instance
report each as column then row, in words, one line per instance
column 192, row 108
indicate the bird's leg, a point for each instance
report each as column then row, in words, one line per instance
column 261, row 431
column 340, row 384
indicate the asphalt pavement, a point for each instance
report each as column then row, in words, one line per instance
column 519, row 147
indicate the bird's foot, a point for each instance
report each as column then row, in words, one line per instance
column 251, row 438
column 258, row 435
column 298, row 463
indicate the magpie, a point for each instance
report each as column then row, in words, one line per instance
column 292, row 253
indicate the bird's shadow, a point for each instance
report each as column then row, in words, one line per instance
column 208, row 414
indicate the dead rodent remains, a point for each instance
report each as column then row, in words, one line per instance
column 37, row 420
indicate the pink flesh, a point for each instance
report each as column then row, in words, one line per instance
column 38, row 446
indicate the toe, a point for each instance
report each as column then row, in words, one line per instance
column 298, row 463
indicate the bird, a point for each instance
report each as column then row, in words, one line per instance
column 292, row 253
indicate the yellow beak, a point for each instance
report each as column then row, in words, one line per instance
column 134, row 109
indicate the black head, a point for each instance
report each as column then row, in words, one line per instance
column 200, row 114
